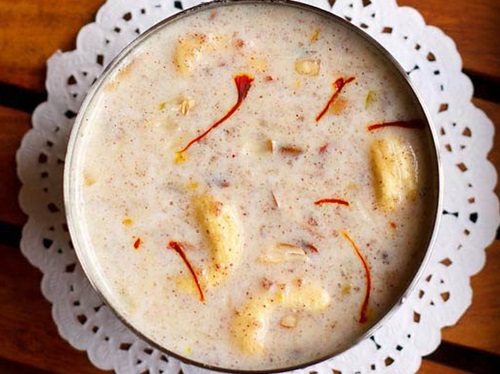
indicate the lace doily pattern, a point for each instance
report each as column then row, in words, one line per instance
column 468, row 225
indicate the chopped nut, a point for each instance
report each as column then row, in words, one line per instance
column 288, row 321
column 270, row 145
column 185, row 105
column 266, row 283
column 256, row 146
column 239, row 43
column 276, row 202
column 180, row 157
column 178, row 104
column 314, row 36
column 290, row 150
column 127, row 221
column 192, row 185
column 307, row 67
column 283, row 252
column 346, row 289
column 88, row 179
column 370, row 98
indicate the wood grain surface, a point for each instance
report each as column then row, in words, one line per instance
column 30, row 31
column 472, row 24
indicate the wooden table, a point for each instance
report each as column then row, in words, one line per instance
column 30, row 31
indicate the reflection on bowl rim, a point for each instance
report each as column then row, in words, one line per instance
column 69, row 170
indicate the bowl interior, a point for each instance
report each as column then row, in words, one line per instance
column 73, row 198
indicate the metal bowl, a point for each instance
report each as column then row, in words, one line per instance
column 71, row 203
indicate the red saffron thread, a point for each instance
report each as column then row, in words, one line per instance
column 176, row 246
column 364, row 307
column 338, row 85
column 243, row 83
column 137, row 243
column 331, row 201
column 412, row 124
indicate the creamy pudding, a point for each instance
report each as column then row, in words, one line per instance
column 253, row 186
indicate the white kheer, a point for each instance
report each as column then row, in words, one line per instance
column 254, row 186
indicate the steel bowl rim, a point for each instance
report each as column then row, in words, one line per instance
column 70, row 205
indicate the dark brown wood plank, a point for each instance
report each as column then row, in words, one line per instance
column 31, row 31
column 8, row 367
column 429, row 367
column 28, row 334
column 472, row 24
column 13, row 125
column 465, row 358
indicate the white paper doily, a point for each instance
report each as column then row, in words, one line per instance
column 468, row 224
